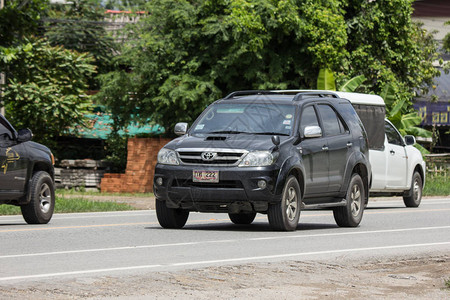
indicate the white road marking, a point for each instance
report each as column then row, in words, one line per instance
column 230, row 260
column 220, row 241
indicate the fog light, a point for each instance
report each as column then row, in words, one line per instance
column 159, row 181
column 262, row 184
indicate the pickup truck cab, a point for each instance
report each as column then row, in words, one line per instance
column 398, row 168
column 26, row 174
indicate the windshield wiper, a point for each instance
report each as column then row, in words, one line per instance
column 228, row 132
column 271, row 133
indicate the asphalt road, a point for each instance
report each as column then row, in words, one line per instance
column 90, row 245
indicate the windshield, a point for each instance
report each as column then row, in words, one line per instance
column 250, row 118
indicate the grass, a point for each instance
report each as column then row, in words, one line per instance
column 447, row 283
column 437, row 185
column 82, row 192
column 72, row 205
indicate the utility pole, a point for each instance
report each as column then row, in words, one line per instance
column 2, row 76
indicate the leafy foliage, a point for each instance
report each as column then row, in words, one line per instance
column 46, row 88
column 386, row 47
column 19, row 19
column 186, row 54
column 80, row 26
column 325, row 80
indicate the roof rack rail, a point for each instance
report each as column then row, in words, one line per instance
column 248, row 92
column 299, row 96
column 298, row 93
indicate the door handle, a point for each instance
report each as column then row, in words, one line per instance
column 349, row 144
column 392, row 152
column 325, row 148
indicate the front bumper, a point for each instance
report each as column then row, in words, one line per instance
column 237, row 189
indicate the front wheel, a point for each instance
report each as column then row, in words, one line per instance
column 242, row 218
column 174, row 218
column 351, row 214
column 414, row 195
column 285, row 214
column 42, row 199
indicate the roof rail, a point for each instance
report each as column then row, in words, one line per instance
column 299, row 96
column 247, row 93
column 298, row 93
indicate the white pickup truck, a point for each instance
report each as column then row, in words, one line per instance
column 398, row 167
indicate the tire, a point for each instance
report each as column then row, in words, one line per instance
column 285, row 214
column 351, row 214
column 42, row 199
column 414, row 195
column 174, row 218
column 242, row 218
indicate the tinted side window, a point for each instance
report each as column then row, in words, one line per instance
column 332, row 125
column 392, row 135
column 309, row 118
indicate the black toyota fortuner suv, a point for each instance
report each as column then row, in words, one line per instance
column 269, row 152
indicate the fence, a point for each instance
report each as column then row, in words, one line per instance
column 438, row 164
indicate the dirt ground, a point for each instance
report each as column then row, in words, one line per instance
column 394, row 278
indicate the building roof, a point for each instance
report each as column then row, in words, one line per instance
column 440, row 91
column 100, row 126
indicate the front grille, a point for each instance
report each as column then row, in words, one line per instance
column 211, row 157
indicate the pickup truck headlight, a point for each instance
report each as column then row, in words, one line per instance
column 258, row 159
column 167, row 157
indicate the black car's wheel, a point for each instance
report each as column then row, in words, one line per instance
column 174, row 218
column 414, row 195
column 242, row 218
column 285, row 215
column 351, row 214
column 42, row 199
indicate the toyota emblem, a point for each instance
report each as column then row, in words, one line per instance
column 208, row 155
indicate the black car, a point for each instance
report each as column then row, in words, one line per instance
column 269, row 152
column 26, row 174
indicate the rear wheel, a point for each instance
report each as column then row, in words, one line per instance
column 285, row 215
column 351, row 214
column 42, row 199
column 242, row 218
column 414, row 195
column 174, row 218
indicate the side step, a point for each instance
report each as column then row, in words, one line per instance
column 323, row 205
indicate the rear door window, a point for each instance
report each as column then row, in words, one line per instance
column 332, row 124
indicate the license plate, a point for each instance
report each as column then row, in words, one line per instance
column 205, row 176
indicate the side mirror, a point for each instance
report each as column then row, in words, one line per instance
column 24, row 135
column 276, row 140
column 312, row 132
column 410, row 140
column 181, row 128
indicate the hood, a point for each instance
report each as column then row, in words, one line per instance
column 39, row 147
column 248, row 142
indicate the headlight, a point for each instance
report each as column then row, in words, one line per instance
column 258, row 159
column 167, row 157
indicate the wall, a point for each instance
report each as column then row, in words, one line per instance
column 141, row 161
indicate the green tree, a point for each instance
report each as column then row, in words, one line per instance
column 19, row 19
column 387, row 47
column 185, row 54
column 46, row 88
column 80, row 26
